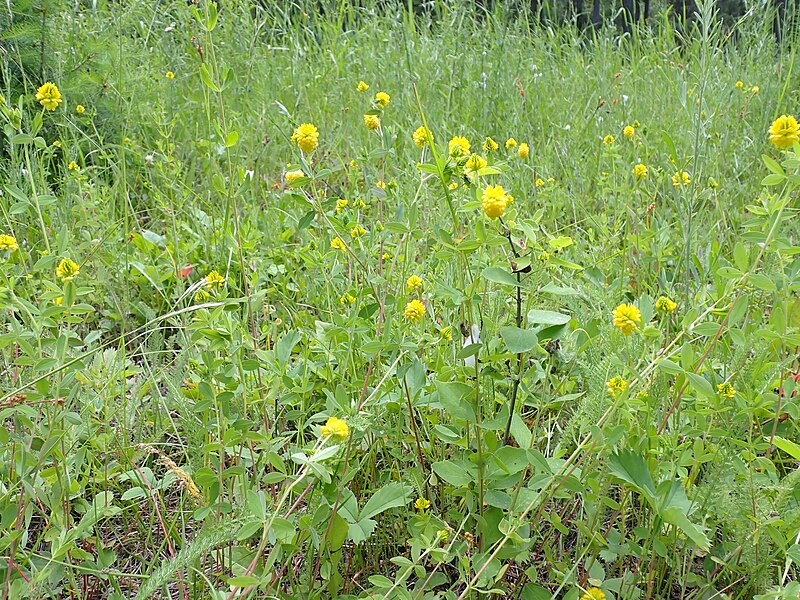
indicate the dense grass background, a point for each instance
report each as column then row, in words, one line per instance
column 162, row 443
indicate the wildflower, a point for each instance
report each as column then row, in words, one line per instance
column 422, row 504
column 523, row 151
column 306, row 137
column 338, row 244
column 489, row 145
column 511, row 143
column 420, row 137
column 616, row 385
column 80, row 109
column 414, row 282
column 539, row 182
column 341, row 204
column 169, row 75
column 608, row 140
column 783, row 132
column 49, row 96
column 414, row 311
column 640, row 171
column 335, row 428
column 357, row 231
column 372, row 122
column 201, row 296
column 72, row 166
column 495, row 201
column 551, row 180
column 474, row 163
column 444, row 535
column 446, row 333
column 594, row 594
column 726, row 390
column 347, row 299
column 59, row 301
column 362, row 86
column 452, row 185
column 458, row 146
column 739, row 85
column 629, row 132
column 8, row 242
column 379, row 184
column 754, row 90
column 214, row 280
column 665, row 304
column 294, row 175
column 67, row 270
column 57, row 143
column 713, row 183
column 626, row 316
column 681, row 178
column 382, row 100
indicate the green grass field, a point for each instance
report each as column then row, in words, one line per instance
column 244, row 357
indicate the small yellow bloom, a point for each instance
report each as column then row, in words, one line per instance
column 169, row 75
column 474, row 163
column 681, row 178
column 347, row 299
column 294, row 175
column 640, row 171
column 357, row 231
column 306, row 137
column 414, row 311
column 458, row 146
column 495, row 201
column 414, row 282
column 539, row 182
column 616, row 385
column 523, row 151
column 57, row 143
column 489, row 145
column 336, row 429
column 626, row 317
column 422, row 504
column 372, row 122
column 629, row 132
column 338, row 244
column 379, row 184
column 201, row 296
column 754, row 90
column 214, row 280
column 49, row 96
column 67, row 270
column 341, row 204
column 783, row 132
column 444, row 535
column 59, row 301
column 739, row 85
column 362, row 86
column 72, row 166
column 446, row 333
column 726, row 390
column 594, row 594
column 80, row 109
column 665, row 304
column 608, row 140
column 420, row 137
column 551, row 180
column 8, row 242
column 511, row 143
column 382, row 100
column 452, row 185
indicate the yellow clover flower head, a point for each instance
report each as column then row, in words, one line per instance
column 420, row 137
column 539, row 182
column 372, row 122
column 422, row 504
column 665, row 304
column 726, row 390
column 681, row 178
column 474, row 163
column 755, row 89
column 458, row 146
column 608, row 140
column 8, row 242
column 414, row 282
column 629, row 132
column 201, row 295
column 294, row 175
column 511, row 143
column 523, row 151
column 80, row 109
column 306, row 137
column 72, row 166
column 414, row 311
column 784, row 132
column 49, row 96
column 382, row 100
column 362, row 86
column 739, row 85
column 594, row 593
column 626, row 318
column 341, row 204
column 214, row 280
column 640, row 171
column 67, row 270
column 357, row 231
column 489, row 145
column 338, row 244
column 169, row 75
column 335, row 428
column 616, row 385
column 347, row 299
column 495, row 201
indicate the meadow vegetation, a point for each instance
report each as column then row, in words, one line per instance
column 361, row 303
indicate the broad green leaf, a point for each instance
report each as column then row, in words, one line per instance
column 788, row 446
column 701, row 385
column 632, row 469
column 390, row 496
column 456, row 473
column 498, row 275
column 547, row 317
column 454, row 397
column 285, row 345
column 772, row 164
column 518, row 340
column 675, row 516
